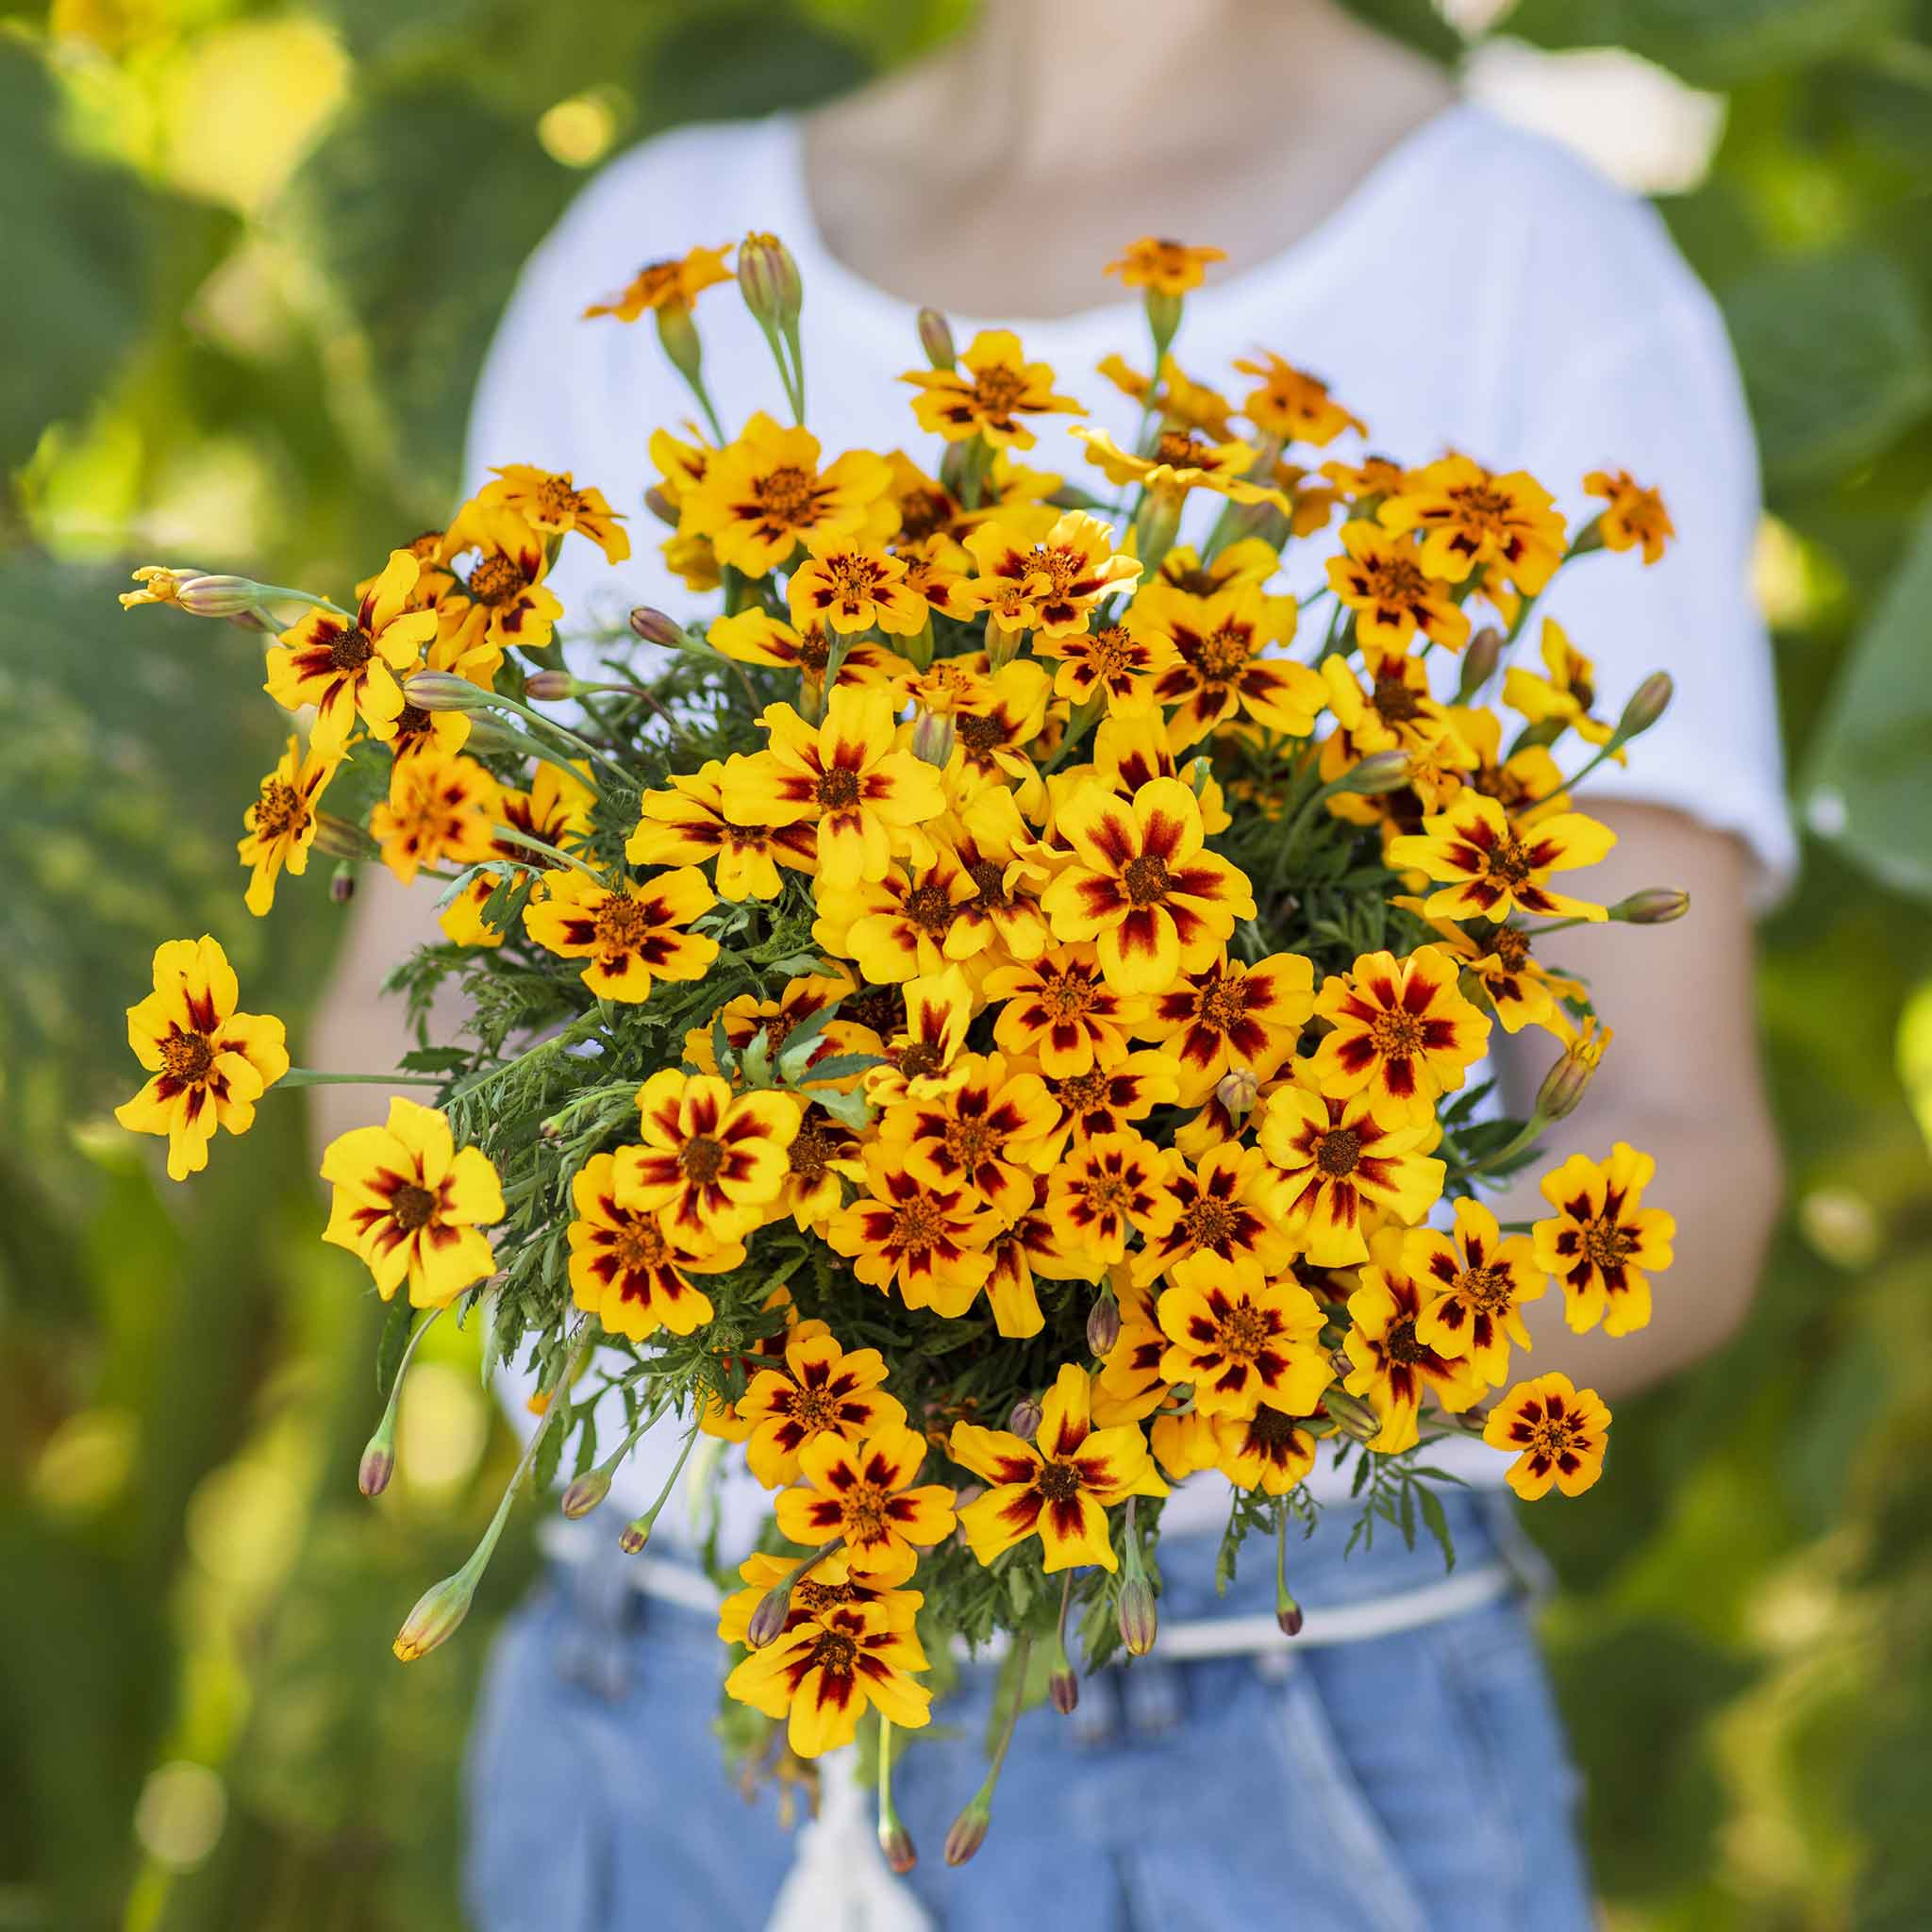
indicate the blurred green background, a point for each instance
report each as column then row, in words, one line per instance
column 253, row 254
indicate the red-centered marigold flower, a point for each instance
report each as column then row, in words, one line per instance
column 1223, row 1218
column 1113, row 663
column 1142, row 887
column 685, row 825
column 823, row 1675
column 991, row 843
column 557, row 809
column 853, row 587
column 755, row 636
column 1469, row 517
column 1401, row 1032
column 820, row 1388
column 210, row 1063
column 441, row 808
column 824, row 1153
column 925, row 1053
column 844, row 776
column 630, row 936
column 348, row 667
column 511, row 605
column 413, row 1205
column 1060, row 1009
column 1294, row 405
column 1567, row 690
column 676, row 282
column 1108, row 1100
column 551, row 504
column 1559, row 1431
column 830, row 1586
column 626, row 1267
column 1231, row 1015
column 1476, row 1281
column 712, row 1161
column 973, row 1134
column 1060, row 1486
column 1220, row 674
column 863, row 1491
column 1239, row 1344
column 1128, row 753
column 1180, row 461
column 996, row 389
column 281, row 822
column 993, row 724
column 1029, row 1247
column 1386, row 581
column 1269, row 1450
column 1337, row 1157
column 907, row 926
column 1490, row 867
column 1061, row 571
column 1103, row 1192
column 1632, row 516
column 1393, row 1368
column 1521, row 990
column 929, row 1243
column 1603, row 1245
column 1169, row 268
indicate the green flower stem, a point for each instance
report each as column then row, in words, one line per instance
column 531, row 843
column 557, row 731
column 638, row 1531
column 287, row 593
column 309, row 1076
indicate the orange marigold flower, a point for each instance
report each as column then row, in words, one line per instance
column 863, row 1492
column 1400, row 1031
column 674, row 282
column 822, row 1674
column 998, row 388
column 712, row 1161
column 1220, row 673
column 973, row 1133
column 557, row 809
column 625, row 1266
column 1030, row 1246
column 1603, row 1244
column 1490, row 867
column 1222, row 1222
column 1476, row 1281
column 439, row 807
column 1058, row 575
column 1105, row 1192
column 629, row 935
column 1560, row 1433
column 1468, row 516
column 820, row 1388
column 1632, row 516
column 1269, row 1450
column 830, row 1586
column 1229, row 1014
column 1567, row 693
column 854, row 586
column 1169, row 268
column 551, row 504
column 1294, row 405
column 1387, row 582
column 929, row 1243
column 1393, row 1368
column 281, row 822
column 509, row 605
column 1108, row 1100
column 687, row 825
column 1060, row 1009
column 1241, row 1343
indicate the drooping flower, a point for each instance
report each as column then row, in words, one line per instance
column 686, row 824
column 853, row 587
column 929, row 1243
column 1560, row 1433
column 626, row 1267
column 1477, row 1282
column 1222, row 1220
column 1169, row 268
column 828, row 1586
column 1603, row 1244
column 997, row 389
column 1231, row 1015
column 864, row 1494
column 210, row 1063
column 1389, row 585
column 551, row 504
column 281, row 822
column 675, row 282
column 1059, row 1009
column 441, row 808
column 1239, row 1344
column 1061, row 571
column 1392, row 1367
column 1632, row 516
column 712, row 1161
column 413, row 1205
column 1181, row 461
column 1220, row 673
column 1467, row 517
column 629, row 935
column 822, row 1676
column 972, row 1134
column 820, row 1388
column 1566, row 692
column 1060, row 1486
column 1106, row 1190
column 1269, row 1450
column 1401, row 1032
column 1293, row 405
column 1489, row 866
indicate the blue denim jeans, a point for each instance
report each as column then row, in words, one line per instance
column 1408, row 1783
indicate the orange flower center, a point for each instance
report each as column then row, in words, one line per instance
column 865, row 1512
column 785, row 495
column 1273, row 1434
column 916, row 1225
column 922, row 513
column 1111, row 652
column 1082, row 1093
column 1209, row 1221
column 1145, row 879
column 812, row 1408
column 1487, row 1289
column 996, row 390
column 556, row 501
column 1554, row 1438
column 1058, row 1482
column 1607, row 1244
column 1400, row 1344
column 1226, row 651
column 1395, row 1034
column 1393, row 580
column 640, row 1245
column 835, row 1654
column 839, row 788
column 1242, row 1331
column 1067, row 996
column 931, row 909
column 814, row 649
column 187, row 1057
column 701, row 1158
column 971, row 1139
column 412, row 1206
column 280, row 812
column 1222, row 1005
column 1510, row 944
column 813, row 1597
column 498, row 579
column 981, row 733
column 989, row 881
column 1510, row 862
column 855, row 578
column 810, row 1154
column 1396, row 701
column 350, row 649
column 1339, row 1151
column 1482, row 506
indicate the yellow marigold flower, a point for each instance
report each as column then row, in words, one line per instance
column 1527, row 784
column 1241, row 1343
column 1060, row 1486
column 991, row 845
column 510, row 604
column 347, row 666
column 1394, row 712
column 673, row 283
column 1602, row 1243
column 439, row 807
column 930, row 1242
column 863, row 1492
column 1401, row 1032
column 1339, row 1162
column 823, row 1152
column 1520, row 988
column 845, row 777
column 1059, row 1009
column 1249, row 560
column 1229, row 1014
column 1169, row 268
column 995, row 723
column 557, row 809
column 281, row 822
column 413, row 1205
column 1386, row 581
column 1028, row 1247
column 1372, row 477
column 712, row 1161
column 1182, row 461
column 998, row 388
column 755, row 636
column 1184, row 1441
column 854, row 586
column 1060, row 575
column 1220, row 672
column 631, row 934
column 1142, row 887
column 1468, row 516
column 626, row 1267
column 1632, row 515
column 973, row 1133
column 1562, row 1432
column 551, row 504
column 747, row 1017
column 820, row 1390
column 1223, row 1221
column 821, row 1675
column 763, row 495
column 830, row 1586
column 1475, row 1283
column 1103, row 1192
column 1108, row 1100
column 1393, row 1368
column 1293, row 405
column 1268, row 1450
column 1490, row 867
column 1567, row 693
column 1130, row 752
column 1115, row 662
column 687, row 825
column 924, row 1055
column 210, row 1064
column 906, row 926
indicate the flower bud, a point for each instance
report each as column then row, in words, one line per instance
column 968, row 1831
column 1025, row 1419
column 1104, row 1323
column 1381, row 771
column 678, row 334
column 1653, row 906
column 1352, row 1414
column 217, row 596
column 1648, row 703
column 655, row 628
column 340, row 838
column 1063, row 1687
column 437, row 1615
column 584, row 1492
column 1158, row 524
column 637, row 1533
column 936, row 338
column 1287, row 1613
column 658, row 501
column 768, row 1616
column 1569, row 1079
column 547, row 687
column 443, row 690
column 895, row 1842
column 379, row 1457
column 934, row 734
column 1480, row 662
column 1237, row 1090
column 341, row 882
column 768, row 280
column 1139, row 1621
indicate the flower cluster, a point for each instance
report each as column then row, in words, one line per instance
column 987, row 1022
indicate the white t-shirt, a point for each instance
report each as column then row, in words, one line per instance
column 1482, row 289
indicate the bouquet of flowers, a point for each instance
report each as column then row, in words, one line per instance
column 983, row 1022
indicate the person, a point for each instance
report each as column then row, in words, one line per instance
column 1458, row 284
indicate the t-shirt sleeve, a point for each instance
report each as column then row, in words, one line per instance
column 1640, row 376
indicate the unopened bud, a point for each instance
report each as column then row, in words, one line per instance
column 340, row 838
column 341, row 882
column 768, row 1616
column 968, row 1831
column 1139, row 1621
column 1287, row 1613
column 1569, row 1079
column 584, row 1492
column 1352, row 1414
column 655, row 628
column 1648, row 703
column 1104, row 1323
column 1025, row 1419
column 1237, row 1092
column 218, row 596
column 1156, row 526
column 489, row 734
column 437, row 1615
column 934, row 734
column 547, row 687
column 637, row 1533
column 378, row 1458
column 1163, row 319
column 1063, row 1687
column 678, row 334
column 443, row 690
column 895, row 1842
column 658, row 501
column 1653, row 906
column 936, row 338
column 1480, row 662
column 768, row 280
column 1381, row 771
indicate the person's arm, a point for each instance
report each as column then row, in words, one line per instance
column 1680, row 1081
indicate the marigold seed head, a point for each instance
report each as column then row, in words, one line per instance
column 1139, row 1621
column 769, row 281
column 437, row 1615
column 655, row 628
column 1380, row 771
column 968, row 1832
column 1025, row 1419
column 1648, row 703
column 1654, row 906
column 1480, row 662
column 584, row 1492
column 1103, row 1324
column 936, row 338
